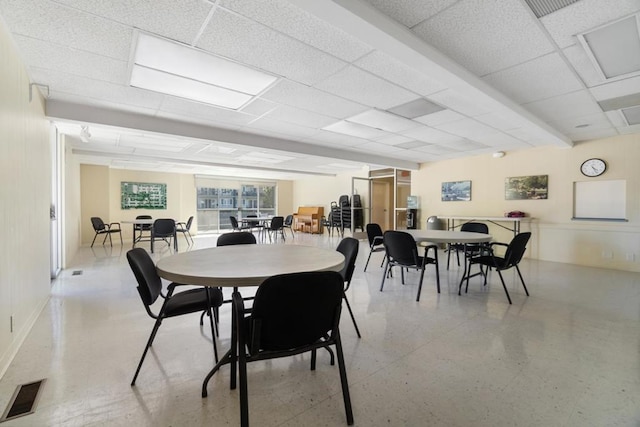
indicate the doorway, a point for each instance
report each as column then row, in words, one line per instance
column 382, row 202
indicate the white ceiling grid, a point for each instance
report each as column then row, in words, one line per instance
column 506, row 80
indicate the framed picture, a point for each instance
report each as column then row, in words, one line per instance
column 143, row 195
column 456, row 191
column 533, row 187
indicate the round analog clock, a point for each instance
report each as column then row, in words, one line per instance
column 593, row 167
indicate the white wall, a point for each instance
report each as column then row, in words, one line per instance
column 25, row 194
column 322, row 190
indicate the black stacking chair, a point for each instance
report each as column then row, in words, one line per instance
column 288, row 223
column 184, row 228
column 139, row 230
column 349, row 248
column 374, row 234
column 174, row 304
column 241, row 238
column 512, row 257
column 469, row 250
column 107, row 229
column 276, row 226
column 292, row 314
column 237, row 226
column 402, row 251
column 164, row 229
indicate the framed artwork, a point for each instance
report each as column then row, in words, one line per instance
column 456, row 191
column 143, row 195
column 533, row 187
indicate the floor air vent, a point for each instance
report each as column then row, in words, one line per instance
column 23, row 402
column 76, row 273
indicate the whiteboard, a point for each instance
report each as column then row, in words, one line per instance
column 600, row 200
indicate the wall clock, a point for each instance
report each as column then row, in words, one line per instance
column 593, row 167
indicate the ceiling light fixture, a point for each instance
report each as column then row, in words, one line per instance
column 84, row 133
column 172, row 68
column 498, row 154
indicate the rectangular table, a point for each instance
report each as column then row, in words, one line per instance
column 496, row 220
column 148, row 222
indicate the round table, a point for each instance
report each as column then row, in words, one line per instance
column 243, row 265
column 446, row 236
column 246, row 265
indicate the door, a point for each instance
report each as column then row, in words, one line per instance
column 381, row 202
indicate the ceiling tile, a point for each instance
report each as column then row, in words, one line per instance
column 209, row 113
column 595, row 121
column 391, row 69
column 245, row 41
column 258, row 107
column 42, row 54
column 440, row 117
column 428, row 134
column 583, row 65
column 616, row 89
column 289, row 130
column 592, row 134
column 288, row 19
column 333, row 139
column 356, row 129
column 360, row 86
column 383, row 120
column 399, row 140
column 410, row 12
column 572, row 104
column 175, row 19
column 467, row 128
column 497, row 121
column 300, row 117
column 72, row 28
column 411, row 144
column 539, row 78
column 486, row 36
column 298, row 95
column 455, row 101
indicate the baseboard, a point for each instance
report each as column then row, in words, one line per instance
column 21, row 335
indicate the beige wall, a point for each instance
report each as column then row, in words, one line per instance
column 25, row 193
column 100, row 196
column 555, row 236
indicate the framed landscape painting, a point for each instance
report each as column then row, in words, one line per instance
column 533, row 187
column 456, row 191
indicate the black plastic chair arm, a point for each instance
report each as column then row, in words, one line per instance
column 377, row 241
column 181, row 224
column 111, row 224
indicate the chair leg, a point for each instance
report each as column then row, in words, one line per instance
column 94, row 239
column 343, row 381
column 504, row 286
column 244, row 394
column 156, row 326
column 526, row 291
column 352, row 317
column 368, row 258
column 213, row 335
column 384, row 276
column 420, row 284
column 120, row 233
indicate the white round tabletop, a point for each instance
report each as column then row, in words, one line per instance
column 245, row 265
column 446, row 236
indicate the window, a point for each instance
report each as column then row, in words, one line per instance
column 217, row 200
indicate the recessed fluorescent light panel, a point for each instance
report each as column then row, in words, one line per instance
column 355, row 129
column 614, row 48
column 417, row 108
column 632, row 115
column 175, row 69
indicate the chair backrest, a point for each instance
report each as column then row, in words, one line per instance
column 164, row 227
column 97, row 223
column 234, row 222
column 277, row 222
column 294, row 310
column 401, row 247
column 149, row 283
column 143, row 226
column 189, row 222
column 373, row 230
column 241, row 238
column 288, row 221
column 475, row 227
column 349, row 248
column 515, row 250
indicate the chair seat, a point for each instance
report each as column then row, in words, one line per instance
column 191, row 301
column 491, row 261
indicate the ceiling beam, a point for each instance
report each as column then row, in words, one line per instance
column 368, row 24
column 102, row 116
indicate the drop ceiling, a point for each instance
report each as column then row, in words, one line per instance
column 358, row 84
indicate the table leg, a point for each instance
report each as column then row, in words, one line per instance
column 231, row 356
